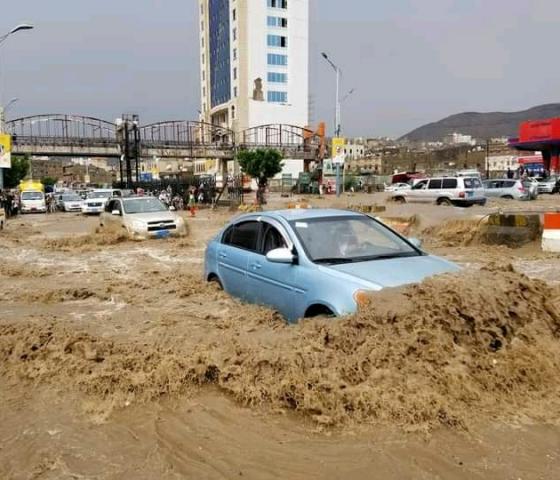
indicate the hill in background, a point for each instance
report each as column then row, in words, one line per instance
column 481, row 125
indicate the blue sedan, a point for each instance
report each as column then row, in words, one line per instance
column 306, row 263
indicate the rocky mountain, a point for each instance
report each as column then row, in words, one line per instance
column 482, row 125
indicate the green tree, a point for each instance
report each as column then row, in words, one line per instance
column 261, row 164
column 49, row 181
column 20, row 168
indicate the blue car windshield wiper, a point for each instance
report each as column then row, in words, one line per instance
column 386, row 256
column 333, row 260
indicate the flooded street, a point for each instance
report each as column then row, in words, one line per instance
column 119, row 361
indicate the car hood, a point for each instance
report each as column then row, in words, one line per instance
column 153, row 216
column 397, row 271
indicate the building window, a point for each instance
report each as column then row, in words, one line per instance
column 275, row 77
column 235, row 53
column 275, row 59
column 277, row 41
column 234, row 34
column 277, row 3
column 235, row 73
column 233, row 112
column 277, row 22
column 235, row 92
column 277, row 97
column 234, row 14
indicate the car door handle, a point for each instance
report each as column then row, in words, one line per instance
column 256, row 266
column 222, row 255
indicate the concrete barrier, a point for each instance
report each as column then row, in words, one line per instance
column 551, row 232
column 368, row 208
column 513, row 230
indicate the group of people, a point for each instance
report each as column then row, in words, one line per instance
column 10, row 202
column 523, row 172
column 193, row 197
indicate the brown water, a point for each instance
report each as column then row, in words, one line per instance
column 117, row 362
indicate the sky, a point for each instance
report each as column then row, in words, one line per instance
column 410, row 61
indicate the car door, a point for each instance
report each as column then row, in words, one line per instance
column 268, row 283
column 110, row 221
column 419, row 192
column 233, row 252
column 434, row 190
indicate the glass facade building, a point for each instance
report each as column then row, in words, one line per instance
column 220, row 68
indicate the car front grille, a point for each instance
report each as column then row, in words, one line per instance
column 163, row 225
column 94, row 205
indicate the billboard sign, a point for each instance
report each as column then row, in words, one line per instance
column 5, row 151
column 337, row 146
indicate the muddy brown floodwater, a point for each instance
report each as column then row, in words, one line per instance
column 118, row 361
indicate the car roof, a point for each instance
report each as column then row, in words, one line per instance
column 305, row 213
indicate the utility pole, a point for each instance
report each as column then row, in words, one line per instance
column 487, row 163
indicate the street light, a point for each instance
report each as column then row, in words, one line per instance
column 337, row 126
column 20, row 27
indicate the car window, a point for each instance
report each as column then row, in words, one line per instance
column 348, row 239
column 449, row 183
column 435, row 184
column 508, row 184
column 273, row 239
column 472, row 183
column 420, row 185
column 243, row 235
column 113, row 205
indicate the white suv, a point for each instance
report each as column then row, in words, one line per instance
column 457, row 191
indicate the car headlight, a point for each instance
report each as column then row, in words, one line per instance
column 139, row 225
column 362, row 297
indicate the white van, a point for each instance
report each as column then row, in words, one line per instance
column 33, row 201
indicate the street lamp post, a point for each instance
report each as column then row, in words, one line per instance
column 3, row 38
column 337, row 125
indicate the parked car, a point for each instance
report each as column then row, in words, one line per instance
column 549, row 184
column 457, row 191
column 142, row 218
column 397, row 187
column 97, row 200
column 512, row 189
column 70, row 202
column 307, row 262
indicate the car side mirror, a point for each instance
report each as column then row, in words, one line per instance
column 116, row 212
column 172, row 208
column 416, row 242
column 281, row 255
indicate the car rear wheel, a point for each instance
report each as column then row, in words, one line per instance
column 507, row 197
column 399, row 200
column 444, row 201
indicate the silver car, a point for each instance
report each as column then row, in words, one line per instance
column 549, row 185
column 142, row 218
column 512, row 189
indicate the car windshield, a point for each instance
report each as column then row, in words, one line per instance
column 32, row 196
column 143, row 205
column 349, row 239
column 99, row 195
column 71, row 198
